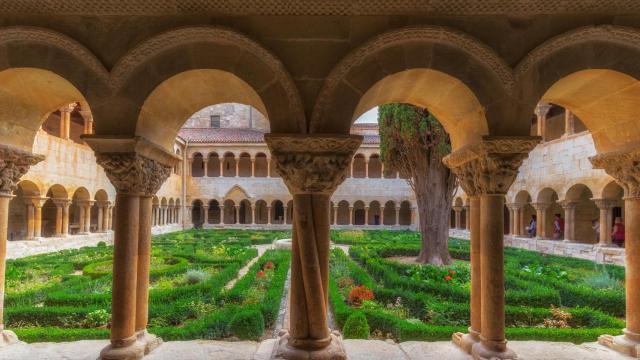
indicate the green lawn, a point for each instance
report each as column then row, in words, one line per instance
column 66, row 295
column 548, row 297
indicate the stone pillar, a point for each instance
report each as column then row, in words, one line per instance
column 58, row 230
column 65, row 218
column 606, row 213
column 335, row 215
column 541, row 111
column 136, row 178
column 268, row 215
column 253, row 167
column 351, row 167
column 569, row 123
column 237, row 166
column 366, row 170
column 87, row 218
column 569, row 219
column 30, row 219
column 467, row 214
column 88, row 121
column 541, row 215
column 381, row 216
column 110, row 217
column 486, row 171
column 14, row 164
column 351, row 215
column 100, row 216
column 253, row 214
column 65, row 121
column 205, row 162
column 237, row 214
column 269, row 174
column 623, row 166
column 312, row 167
column 366, row 215
column 397, row 215
column 205, row 210
column 105, row 217
column 221, row 162
column 458, row 216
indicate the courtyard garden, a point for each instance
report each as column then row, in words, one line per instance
column 376, row 290
column 66, row 295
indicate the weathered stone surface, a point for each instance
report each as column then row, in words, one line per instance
column 373, row 350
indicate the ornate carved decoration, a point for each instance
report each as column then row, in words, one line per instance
column 624, row 36
column 39, row 35
column 425, row 34
column 132, row 173
column 491, row 166
column 316, row 7
column 312, row 164
column 123, row 70
column 541, row 206
column 568, row 204
column 14, row 163
column 624, row 166
column 605, row 204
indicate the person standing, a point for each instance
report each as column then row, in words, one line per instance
column 558, row 227
column 595, row 224
column 617, row 234
column 533, row 226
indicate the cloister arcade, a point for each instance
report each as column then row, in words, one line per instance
column 141, row 92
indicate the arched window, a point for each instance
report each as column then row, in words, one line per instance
column 197, row 166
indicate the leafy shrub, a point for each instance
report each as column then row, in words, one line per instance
column 194, row 277
column 602, row 280
column 101, row 244
column 98, row 318
column 359, row 294
column 247, row 324
column 356, row 326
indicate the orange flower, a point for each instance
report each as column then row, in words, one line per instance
column 452, row 272
column 448, row 278
column 260, row 274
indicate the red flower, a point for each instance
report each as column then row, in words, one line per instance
column 359, row 294
column 268, row 265
column 260, row 274
column 452, row 272
column 448, row 278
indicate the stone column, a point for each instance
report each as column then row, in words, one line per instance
column 381, row 215
column 88, row 121
column 205, row 162
column 65, row 120
column 569, row 123
column 269, row 172
column 335, row 215
column 58, row 231
column 569, row 219
column 221, row 162
column 623, row 166
column 253, row 167
column 253, row 214
column 366, row 215
column 100, row 215
column 541, row 111
column 397, row 215
column 606, row 213
column 366, row 170
column 312, row 167
column 351, row 215
column 351, row 167
column 105, row 217
column 205, row 210
column 110, row 217
column 65, row 218
column 30, row 219
column 467, row 214
column 487, row 170
column 541, row 215
column 136, row 178
column 14, row 164
column 458, row 216
column 237, row 214
column 268, row 215
column 87, row 218
column 237, row 166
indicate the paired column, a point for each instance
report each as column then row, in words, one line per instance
column 65, row 121
column 397, row 215
column 237, row 214
column 458, row 216
column 623, row 166
column 351, row 215
column 486, row 171
column 15, row 163
column 541, row 219
column 569, row 123
column 467, row 213
column 205, row 210
column 606, row 219
column 136, row 179
column 569, row 219
column 541, row 112
column 312, row 167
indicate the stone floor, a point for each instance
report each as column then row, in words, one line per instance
column 356, row 350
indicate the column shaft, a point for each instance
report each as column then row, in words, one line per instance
column 87, row 219
column 37, row 221
column 144, row 263
column 30, row 221
column 65, row 219
column 105, row 218
column 58, row 231
column 100, row 214
column 4, row 224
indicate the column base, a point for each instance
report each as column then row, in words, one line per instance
column 622, row 343
column 466, row 341
column 333, row 351
column 8, row 337
column 133, row 350
column 481, row 352
column 150, row 341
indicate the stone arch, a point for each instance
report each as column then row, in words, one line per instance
column 261, row 212
column 214, row 215
column 157, row 73
column 197, row 165
column 43, row 71
column 57, row 191
column 548, row 198
column 229, row 212
column 213, row 164
column 612, row 190
column 584, row 212
column 21, row 210
column 420, row 65
column 229, row 165
column 527, row 211
column 374, row 213
column 600, row 84
column 359, row 166
column 389, row 212
column 359, row 217
column 277, row 212
column 405, row 213
column 261, row 165
column 237, row 193
column 343, row 213
column 244, row 165
column 197, row 217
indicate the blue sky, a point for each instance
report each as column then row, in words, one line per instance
column 370, row 116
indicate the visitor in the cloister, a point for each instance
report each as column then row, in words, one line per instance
column 558, row 227
column 596, row 228
column 618, row 232
column 532, row 226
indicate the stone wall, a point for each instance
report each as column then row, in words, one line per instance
column 232, row 115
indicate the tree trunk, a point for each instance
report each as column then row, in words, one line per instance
column 433, row 194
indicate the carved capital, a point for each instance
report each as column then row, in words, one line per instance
column 568, row 204
column 312, row 163
column 542, row 109
column 541, row 206
column 622, row 165
column 491, row 166
column 604, row 204
column 14, row 163
column 132, row 173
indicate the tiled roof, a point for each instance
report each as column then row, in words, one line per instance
column 239, row 136
column 211, row 135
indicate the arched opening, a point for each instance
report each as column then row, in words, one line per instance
column 525, row 213
column 214, row 214
column 244, row 165
column 548, row 200
column 229, row 165
column 230, row 212
column 261, row 165
column 262, row 213
column 171, row 212
column 277, row 212
column 54, row 210
column 343, row 213
column 197, row 165
column 22, row 212
column 374, row 213
column 375, row 166
column 405, row 213
column 99, row 212
column 213, row 165
column 580, row 212
column 611, row 207
column 79, row 215
column 390, row 213
column 289, row 212
column 245, row 215
column 197, row 215
column 359, row 166
column 359, row 216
